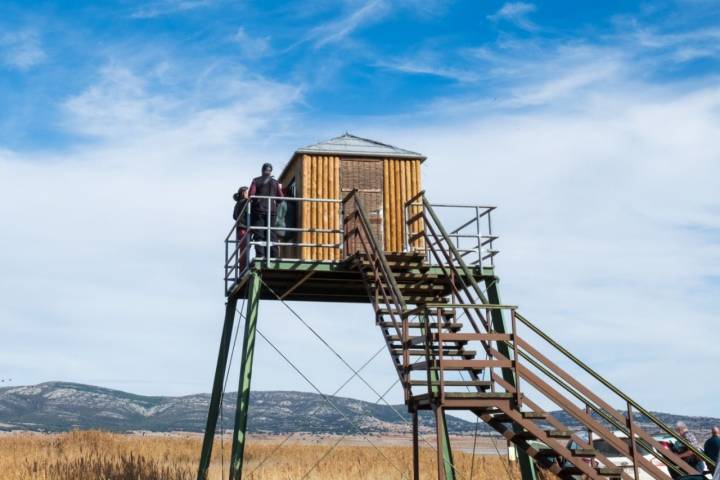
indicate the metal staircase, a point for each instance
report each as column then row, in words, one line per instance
column 455, row 346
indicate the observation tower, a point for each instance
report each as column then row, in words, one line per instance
column 356, row 226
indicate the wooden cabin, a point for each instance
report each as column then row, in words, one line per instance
column 385, row 176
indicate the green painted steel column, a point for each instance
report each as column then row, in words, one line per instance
column 446, row 470
column 243, row 399
column 527, row 466
column 216, row 396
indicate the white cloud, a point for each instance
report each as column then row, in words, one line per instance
column 21, row 50
column 166, row 7
column 106, row 227
column 222, row 108
column 608, row 219
column 516, row 13
column 251, row 47
column 369, row 12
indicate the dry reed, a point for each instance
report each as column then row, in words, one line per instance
column 93, row 455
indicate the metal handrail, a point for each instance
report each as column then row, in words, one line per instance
column 235, row 253
column 607, row 384
column 379, row 252
column 481, row 233
column 630, row 427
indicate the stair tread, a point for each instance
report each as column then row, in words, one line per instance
column 448, row 352
column 502, row 417
column 433, row 312
column 469, row 395
column 449, row 326
column 605, row 471
column 552, row 433
column 455, row 383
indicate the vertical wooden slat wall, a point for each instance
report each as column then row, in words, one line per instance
column 321, row 179
column 402, row 182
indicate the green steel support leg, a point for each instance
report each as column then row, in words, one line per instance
column 215, row 398
column 446, row 470
column 527, row 466
column 243, row 399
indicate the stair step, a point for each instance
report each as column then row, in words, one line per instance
column 434, row 325
column 395, row 265
column 410, row 256
column 419, row 344
column 445, row 313
column 420, row 340
column 464, row 365
column 471, row 337
column 466, row 396
column 422, row 299
column 576, row 452
column 415, row 277
column 549, row 433
column 446, row 352
column 534, row 415
column 455, row 383
column 504, row 418
column 420, row 287
column 614, row 472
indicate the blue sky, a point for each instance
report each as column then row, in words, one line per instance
column 125, row 126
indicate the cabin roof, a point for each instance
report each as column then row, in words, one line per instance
column 348, row 144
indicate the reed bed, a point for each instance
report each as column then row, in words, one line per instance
column 94, row 455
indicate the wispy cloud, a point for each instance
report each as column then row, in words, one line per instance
column 423, row 66
column 166, row 7
column 334, row 31
column 251, row 47
column 21, row 50
column 221, row 108
column 516, row 13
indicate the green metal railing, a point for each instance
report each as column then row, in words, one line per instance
column 625, row 424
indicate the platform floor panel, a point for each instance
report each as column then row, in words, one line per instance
column 323, row 281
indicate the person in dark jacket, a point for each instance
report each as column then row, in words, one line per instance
column 712, row 445
column 240, row 217
column 264, row 211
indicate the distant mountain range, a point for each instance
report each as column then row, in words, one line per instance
column 60, row 406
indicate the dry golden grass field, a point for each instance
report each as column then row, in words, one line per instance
column 93, row 455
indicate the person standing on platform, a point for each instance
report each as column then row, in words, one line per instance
column 264, row 211
column 240, row 217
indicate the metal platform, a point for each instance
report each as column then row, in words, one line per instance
column 323, row 281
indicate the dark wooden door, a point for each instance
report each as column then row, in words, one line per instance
column 367, row 177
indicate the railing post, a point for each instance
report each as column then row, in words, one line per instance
column 267, row 234
column 250, row 235
column 490, row 243
column 633, row 442
column 227, row 261
column 406, row 247
column 478, row 231
column 516, row 359
column 441, row 370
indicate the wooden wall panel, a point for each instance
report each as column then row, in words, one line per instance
column 320, row 180
column 402, row 182
column 385, row 186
